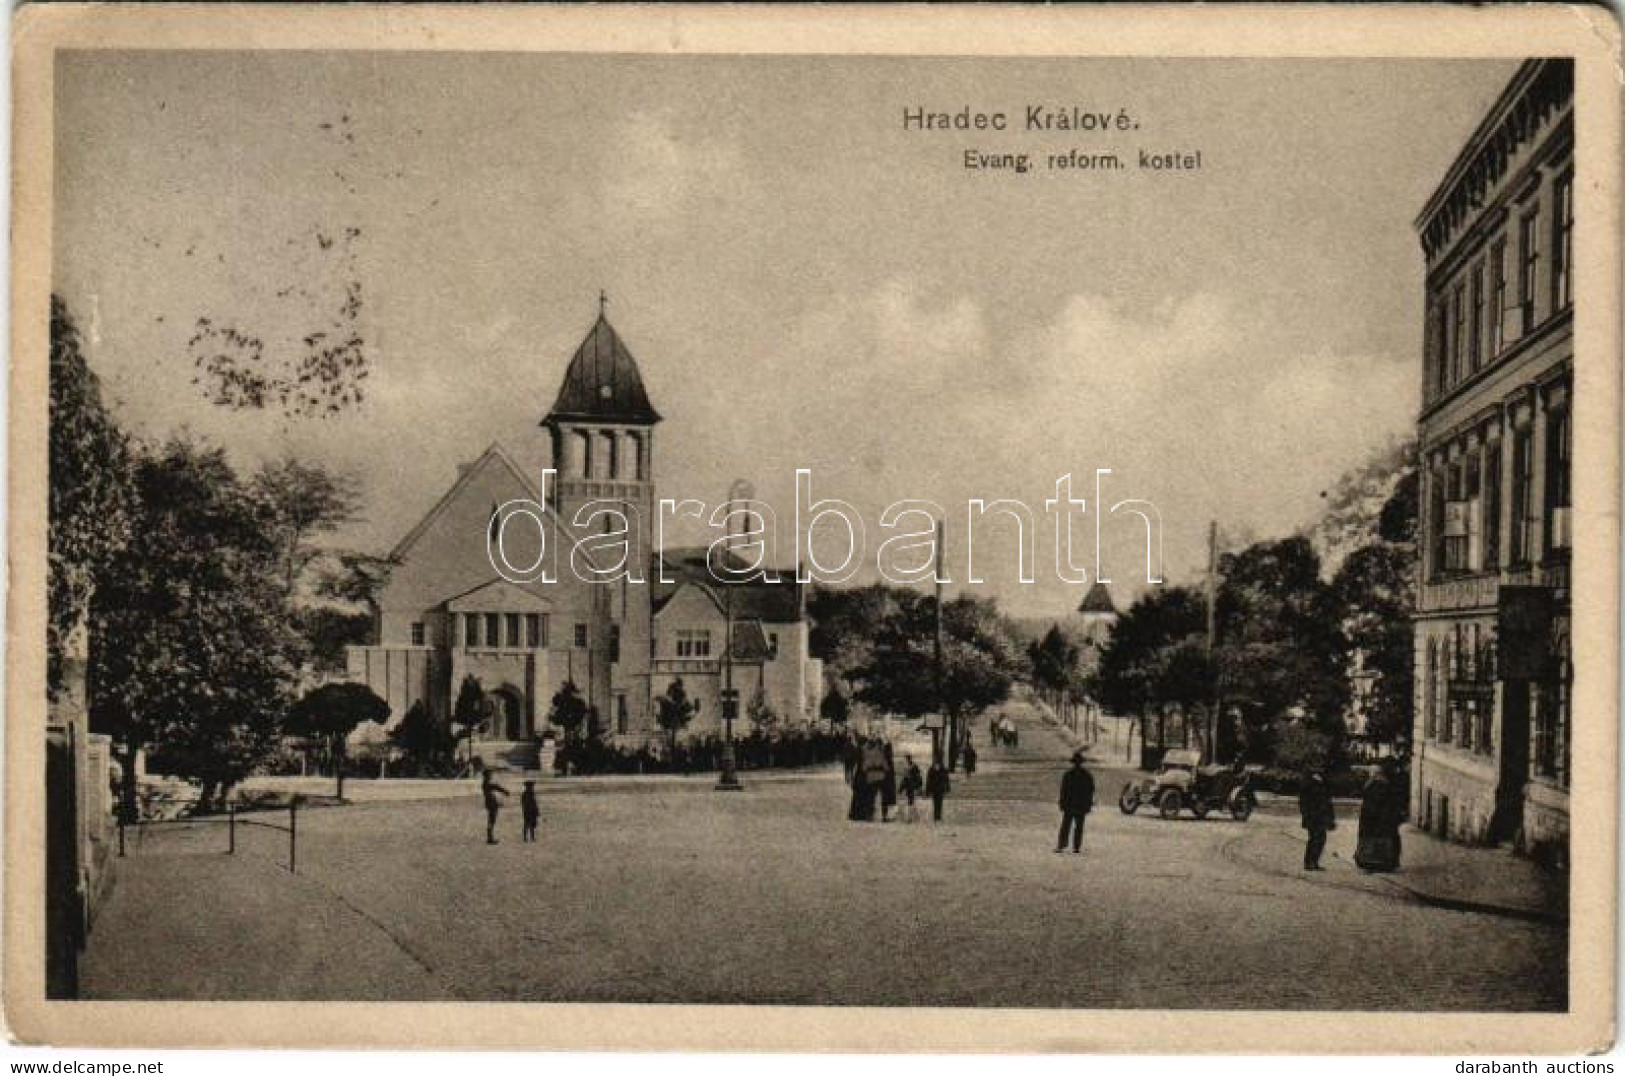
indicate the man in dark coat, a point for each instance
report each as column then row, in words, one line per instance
column 1382, row 810
column 1077, row 799
column 489, row 789
column 936, row 786
column 1319, row 818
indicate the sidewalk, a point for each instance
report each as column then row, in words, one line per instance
column 1490, row 881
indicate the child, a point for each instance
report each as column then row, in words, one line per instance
column 528, row 808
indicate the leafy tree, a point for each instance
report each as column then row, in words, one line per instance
column 674, row 710
column 1054, row 662
column 189, row 649
column 761, row 715
column 328, row 632
column 90, row 493
column 427, row 743
column 1375, row 592
column 1280, row 645
column 1136, row 673
column 979, row 660
column 834, row 707
column 843, row 626
column 303, row 501
column 331, row 713
column 470, row 712
column 569, row 711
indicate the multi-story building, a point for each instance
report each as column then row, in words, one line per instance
column 1492, row 735
column 446, row 614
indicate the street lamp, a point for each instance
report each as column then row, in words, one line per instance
column 741, row 490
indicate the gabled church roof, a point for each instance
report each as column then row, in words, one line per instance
column 602, row 383
column 1098, row 600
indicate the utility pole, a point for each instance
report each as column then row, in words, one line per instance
column 729, row 779
column 942, row 714
column 1212, row 634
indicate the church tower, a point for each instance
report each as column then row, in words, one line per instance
column 602, row 428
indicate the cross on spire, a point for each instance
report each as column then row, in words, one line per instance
column 603, row 300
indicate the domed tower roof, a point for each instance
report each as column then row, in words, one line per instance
column 602, row 383
column 1098, row 601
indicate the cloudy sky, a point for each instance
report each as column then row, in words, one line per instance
column 803, row 282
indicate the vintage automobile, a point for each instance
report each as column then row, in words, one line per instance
column 1182, row 782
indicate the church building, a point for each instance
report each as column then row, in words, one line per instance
column 446, row 615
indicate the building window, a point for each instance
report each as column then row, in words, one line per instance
column 493, row 630
column 1545, row 725
column 614, row 642
column 581, row 637
column 417, row 633
column 512, row 626
column 1430, row 669
column 1458, row 341
column 1528, row 267
column 471, row 629
column 1523, row 494
column 535, row 638
column 1457, row 522
column 1475, row 332
column 1441, row 342
column 693, row 643
column 772, row 645
column 1557, row 480
column 622, row 722
column 1436, row 514
column 1498, row 296
column 1492, row 505
column 1562, row 242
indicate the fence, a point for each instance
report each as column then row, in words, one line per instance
column 232, row 819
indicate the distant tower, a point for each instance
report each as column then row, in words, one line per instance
column 1098, row 614
column 602, row 426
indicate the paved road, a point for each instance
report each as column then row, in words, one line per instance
column 665, row 891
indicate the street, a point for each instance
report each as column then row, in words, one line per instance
column 663, row 890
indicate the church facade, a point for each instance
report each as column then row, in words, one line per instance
column 446, row 615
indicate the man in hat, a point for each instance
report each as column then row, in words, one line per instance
column 1077, row 798
column 1319, row 817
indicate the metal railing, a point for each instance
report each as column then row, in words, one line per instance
column 232, row 821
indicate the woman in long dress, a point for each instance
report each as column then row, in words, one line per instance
column 1380, row 816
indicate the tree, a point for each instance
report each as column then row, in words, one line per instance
column 190, row 650
column 90, row 495
column 1054, row 662
column 1375, row 592
column 1138, row 671
column 302, row 501
column 834, row 707
column 674, row 710
column 1280, row 645
column 979, row 660
column 761, row 715
column 331, row 713
column 569, row 710
column 470, row 712
column 424, row 741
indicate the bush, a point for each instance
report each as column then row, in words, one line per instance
column 703, row 754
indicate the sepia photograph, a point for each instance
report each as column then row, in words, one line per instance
column 669, row 526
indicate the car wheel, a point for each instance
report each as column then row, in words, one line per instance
column 1129, row 801
column 1241, row 806
column 1170, row 804
column 1199, row 809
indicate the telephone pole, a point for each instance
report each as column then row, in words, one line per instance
column 942, row 714
column 1212, row 634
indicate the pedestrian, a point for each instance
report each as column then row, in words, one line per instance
column 936, row 786
column 1381, row 812
column 970, row 758
column 888, row 784
column 529, row 810
column 490, row 790
column 874, row 776
column 913, row 783
column 1077, row 799
column 1319, row 818
column 860, row 793
column 852, row 756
